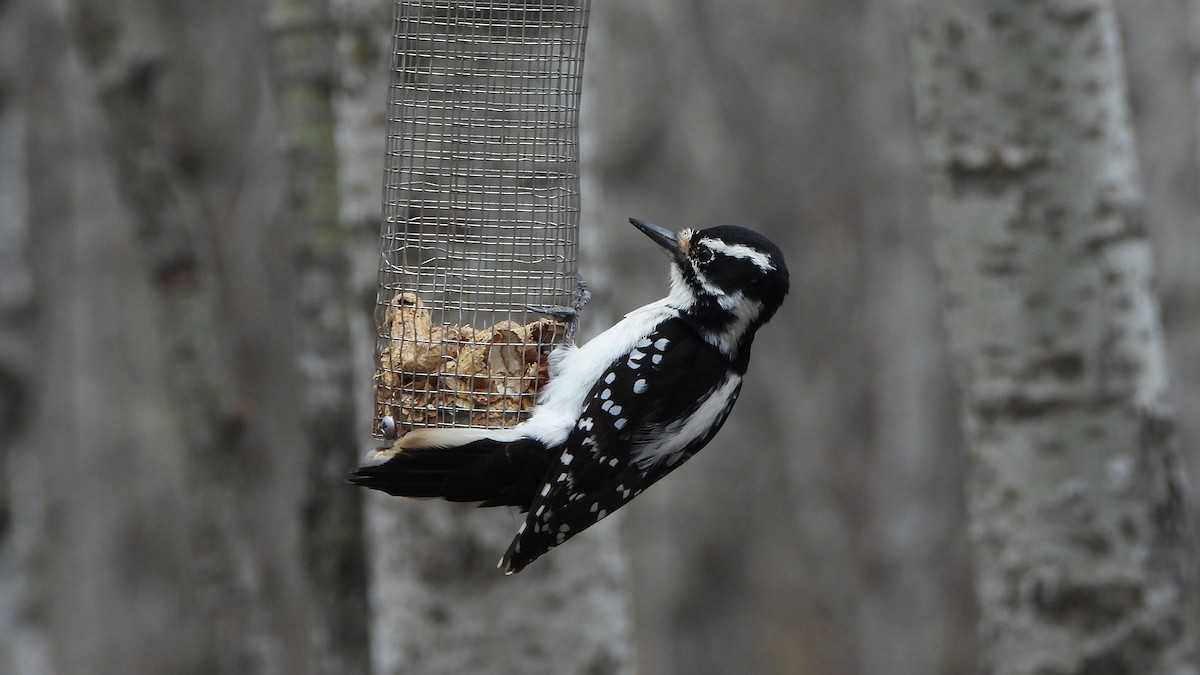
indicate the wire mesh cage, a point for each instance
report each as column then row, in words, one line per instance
column 481, row 209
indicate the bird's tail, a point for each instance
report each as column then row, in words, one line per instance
column 458, row 465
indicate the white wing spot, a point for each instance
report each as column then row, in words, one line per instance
column 585, row 424
column 561, row 477
column 606, row 405
column 603, row 512
column 595, row 506
column 564, row 528
column 615, row 410
column 625, row 494
column 537, row 513
column 636, row 355
column 613, row 462
column 606, row 394
column 657, row 359
column 661, row 344
column 608, row 379
column 639, row 387
column 567, row 458
column 545, row 489
column 643, row 343
column 620, row 424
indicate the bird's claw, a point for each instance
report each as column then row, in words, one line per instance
column 558, row 312
column 567, row 315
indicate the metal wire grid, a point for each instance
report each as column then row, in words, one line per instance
column 481, row 196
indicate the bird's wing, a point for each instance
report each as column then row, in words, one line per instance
column 634, row 429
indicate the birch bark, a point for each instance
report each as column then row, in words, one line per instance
column 1078, row 518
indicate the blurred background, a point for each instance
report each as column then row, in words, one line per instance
column 185, row 332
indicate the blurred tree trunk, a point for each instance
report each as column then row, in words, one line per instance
column 1163, row 48
column 1193, row 23
column 24, row 649
column 1079, row 524
column 438, row 604
column 304, row 73
column 170, row 515
column 98, row 494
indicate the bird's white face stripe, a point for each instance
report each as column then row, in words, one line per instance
column 762, row 260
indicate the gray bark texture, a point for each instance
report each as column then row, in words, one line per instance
column 1078, row 519
column 303, row 68
column 1163, row 50
column 168, row 515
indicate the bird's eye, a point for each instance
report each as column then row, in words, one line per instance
column 704, row 254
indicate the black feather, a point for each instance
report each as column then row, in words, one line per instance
column 493, row 472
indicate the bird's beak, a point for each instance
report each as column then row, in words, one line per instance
column 660, row 235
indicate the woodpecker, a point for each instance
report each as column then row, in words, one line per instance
column 619, row 412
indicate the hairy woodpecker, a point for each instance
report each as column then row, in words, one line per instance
column 618, row 413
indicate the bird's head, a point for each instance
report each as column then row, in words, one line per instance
column 730, row 279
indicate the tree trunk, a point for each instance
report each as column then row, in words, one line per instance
column 26, row 647
column 1079, row 524
column 171, row 513
column 303, row 69
column 1162, row 75
column 102, row 556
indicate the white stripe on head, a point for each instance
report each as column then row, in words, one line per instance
column 762, row 260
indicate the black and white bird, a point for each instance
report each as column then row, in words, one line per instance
column 619, row 412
